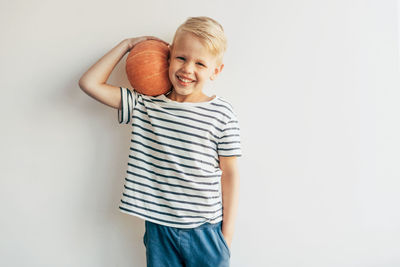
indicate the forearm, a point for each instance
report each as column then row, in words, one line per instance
column 230, row 201
column 101, row 70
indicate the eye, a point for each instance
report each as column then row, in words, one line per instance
column 201, row 64
column 180, row 58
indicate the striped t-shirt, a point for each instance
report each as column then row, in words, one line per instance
column 173, row 175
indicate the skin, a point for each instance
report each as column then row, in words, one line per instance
column 230, row 195
column 190, row 59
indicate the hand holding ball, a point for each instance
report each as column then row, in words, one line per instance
column 147, row 68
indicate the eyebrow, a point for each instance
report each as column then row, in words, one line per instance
column 184, row 55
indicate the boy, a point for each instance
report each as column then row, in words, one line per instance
column 183, row 149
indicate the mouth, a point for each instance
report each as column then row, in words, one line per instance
column 184, row 80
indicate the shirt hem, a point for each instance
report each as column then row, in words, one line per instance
column 214, row 221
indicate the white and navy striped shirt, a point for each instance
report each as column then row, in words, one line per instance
column 173, row 175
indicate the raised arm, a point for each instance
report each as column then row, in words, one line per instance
column 93, row 81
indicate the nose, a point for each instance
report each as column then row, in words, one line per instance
column 187, row 68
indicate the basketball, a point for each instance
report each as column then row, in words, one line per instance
column 147, row 68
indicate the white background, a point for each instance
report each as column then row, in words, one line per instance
column 315, row 85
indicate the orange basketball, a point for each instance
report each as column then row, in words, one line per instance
column 147, row 68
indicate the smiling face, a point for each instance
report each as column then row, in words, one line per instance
column 191, row 66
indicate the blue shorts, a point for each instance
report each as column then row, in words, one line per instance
column 201, row 246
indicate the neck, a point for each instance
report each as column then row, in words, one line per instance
column 200, row 97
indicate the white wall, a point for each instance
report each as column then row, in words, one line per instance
column 316, row 90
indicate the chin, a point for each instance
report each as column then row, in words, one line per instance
column 183, row 91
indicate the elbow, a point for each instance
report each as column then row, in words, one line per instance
column 82, row 84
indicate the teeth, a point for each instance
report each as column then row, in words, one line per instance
column 184, row 80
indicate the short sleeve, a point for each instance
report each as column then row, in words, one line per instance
column 229, row 142
column 128, row 102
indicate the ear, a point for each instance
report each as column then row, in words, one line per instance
column 217, row 71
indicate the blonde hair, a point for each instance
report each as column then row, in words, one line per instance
column 209, row 31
